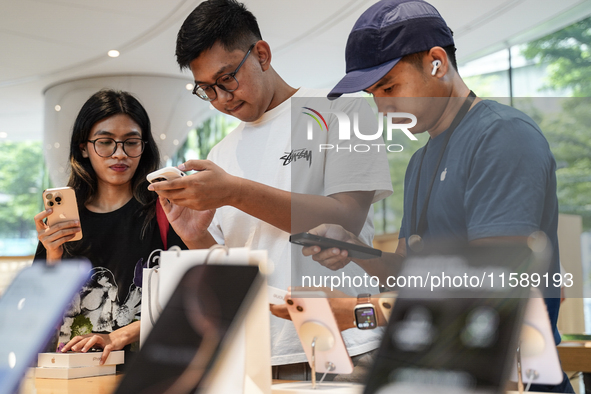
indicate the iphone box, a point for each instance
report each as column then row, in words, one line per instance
column 75, row 360
column 73, row 373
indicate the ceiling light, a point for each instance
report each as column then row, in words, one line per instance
column 113, row 53
column 175, row 142
column 162, row 136
column 189, row 123
column 189, row 86
column 57, row 108
column 56, row 145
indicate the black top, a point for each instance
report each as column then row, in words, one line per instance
column 114, row 244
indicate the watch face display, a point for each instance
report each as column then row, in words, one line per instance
column 365, row 317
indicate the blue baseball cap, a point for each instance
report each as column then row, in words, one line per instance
column 387, row 31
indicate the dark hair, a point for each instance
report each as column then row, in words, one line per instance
column 226, row 21
column 416, row 59
column 102, row 105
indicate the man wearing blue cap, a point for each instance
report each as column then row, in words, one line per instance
column 486, row 173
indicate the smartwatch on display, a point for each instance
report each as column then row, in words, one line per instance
column 365, row 314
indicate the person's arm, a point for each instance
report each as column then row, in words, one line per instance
column 116, row 340
column 212, row 187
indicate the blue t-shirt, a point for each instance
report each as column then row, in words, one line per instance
column 497, row 178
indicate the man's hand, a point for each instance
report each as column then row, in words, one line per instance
column 280, row 310
column 189, row 224
column 332, row 258
column 209, row 188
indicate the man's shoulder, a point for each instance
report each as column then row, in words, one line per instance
column 493, row 113
column 493, row 121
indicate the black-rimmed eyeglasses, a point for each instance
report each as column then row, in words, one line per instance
column 106, row 147
column 227, row 82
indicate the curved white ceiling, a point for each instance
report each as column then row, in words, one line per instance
column 46, row 41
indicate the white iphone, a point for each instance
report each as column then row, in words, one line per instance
column 165, row 174
column 315, row 323
column 63, row 202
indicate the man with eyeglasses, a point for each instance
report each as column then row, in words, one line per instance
column 264, row 184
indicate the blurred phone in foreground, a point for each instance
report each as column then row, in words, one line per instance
column 31, row 310
column 200, row 318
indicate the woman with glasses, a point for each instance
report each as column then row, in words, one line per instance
column 111, row 152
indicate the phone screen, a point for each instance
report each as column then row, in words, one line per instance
column 183, row 345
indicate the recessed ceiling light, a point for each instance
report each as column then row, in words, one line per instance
column 189, row 86
column 175, row 142
column 113, row 53
column 3, row 134
column 189, row 123
column 58, row 108
column 56, row 145
column 162, row 136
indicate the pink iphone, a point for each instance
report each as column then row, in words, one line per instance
column 63, row 202
column 315, row 324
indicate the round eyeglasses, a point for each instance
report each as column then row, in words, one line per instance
column 226, row 82
column 106, row 147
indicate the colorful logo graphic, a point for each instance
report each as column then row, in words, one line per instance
column 315, row 118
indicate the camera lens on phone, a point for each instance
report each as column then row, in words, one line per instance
column 49, row 196
column 50, row 203
column 58, row 199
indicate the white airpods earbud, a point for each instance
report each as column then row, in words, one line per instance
column 436, row 64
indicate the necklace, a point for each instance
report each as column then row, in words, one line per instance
column 415, row 241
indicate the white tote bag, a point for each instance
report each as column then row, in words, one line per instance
column 151, row 307
column 247, row 359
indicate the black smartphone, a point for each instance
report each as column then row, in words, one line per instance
column 201, row 317
column 355, row 251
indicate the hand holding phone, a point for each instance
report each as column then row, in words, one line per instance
column 355, row 251
column 62, row 201
column 165, row 174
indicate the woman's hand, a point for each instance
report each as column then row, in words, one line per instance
column 54, row 237
column 116, row 340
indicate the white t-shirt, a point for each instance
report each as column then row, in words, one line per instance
column 266, row 152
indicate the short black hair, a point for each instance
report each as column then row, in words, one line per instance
column 416, row 59
column 226, row 21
